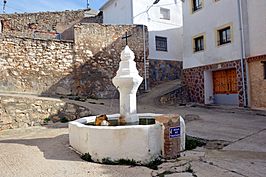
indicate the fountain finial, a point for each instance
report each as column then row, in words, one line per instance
column 128, row 80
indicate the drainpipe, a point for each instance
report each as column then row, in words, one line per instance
column 243, row 53
column 144, row 55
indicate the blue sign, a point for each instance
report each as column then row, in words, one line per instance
column 174, row 132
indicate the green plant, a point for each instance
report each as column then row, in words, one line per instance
column 46, row 120
column 87, row 157
column 64, row 120
column 108, row 161
column 154, row 164
column 192, row 143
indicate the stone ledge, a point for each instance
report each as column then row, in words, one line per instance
column 20, row 111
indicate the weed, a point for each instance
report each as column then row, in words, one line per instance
column 46, row 120
column 192, row 143
column 87, row 157
column 108, row 161
column 154, row 164
column 64, row 120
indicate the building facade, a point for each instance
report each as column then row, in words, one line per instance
column 219, row 36
column 164, row 22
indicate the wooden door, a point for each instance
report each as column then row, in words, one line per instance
column 225, row 82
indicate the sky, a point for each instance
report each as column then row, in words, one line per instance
column 21, row 6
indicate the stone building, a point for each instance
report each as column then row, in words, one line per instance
column 224, row 55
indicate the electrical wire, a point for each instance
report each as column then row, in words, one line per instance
column 146, row 11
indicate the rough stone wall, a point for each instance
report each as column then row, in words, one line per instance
column 164, row 70
column 52, row 67
column 18, row 111
column 97, row 49
column 43, row 25
column 257, row 82
column 194, row 79
column 29, row 65
column 178, row 96
column 171, row 145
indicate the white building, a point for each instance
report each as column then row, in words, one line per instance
column 163, row 19
column 218, row 37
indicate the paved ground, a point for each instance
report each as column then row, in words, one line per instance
column 45, row 151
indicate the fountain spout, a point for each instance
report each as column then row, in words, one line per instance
column 127, row 81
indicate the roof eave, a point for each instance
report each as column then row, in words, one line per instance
column 106, row 4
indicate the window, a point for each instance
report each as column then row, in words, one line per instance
column 224, row 35
column 196, row 5
column 161, row 43
column 198, row 43
column 165, row 13
column 264, row 68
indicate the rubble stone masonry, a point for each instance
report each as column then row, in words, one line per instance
column 45, row 25
column 257, row 81
column 164, row 70
column 97, row 56
column 53, row 67
column 194, row 79
column 20, row 111
column 33, row 66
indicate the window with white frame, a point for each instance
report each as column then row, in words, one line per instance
column 161, row 43
column 165, row 13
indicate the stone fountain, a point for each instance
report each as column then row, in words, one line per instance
column 141, row 143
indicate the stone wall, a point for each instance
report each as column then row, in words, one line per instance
column 53, row 67
column 164, row 70
column 257, row 82
column 178, row 97
column 44, row 25
column 194, row 79
column 98, row 48
column 20, row 111
column 33, row 66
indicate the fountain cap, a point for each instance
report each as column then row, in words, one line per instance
column 127, row 54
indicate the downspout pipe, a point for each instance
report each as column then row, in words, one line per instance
column 144, row 55
column 243, row 53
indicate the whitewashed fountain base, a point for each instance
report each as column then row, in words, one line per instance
column 139, row 143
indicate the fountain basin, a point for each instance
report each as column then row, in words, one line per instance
column 141, row 143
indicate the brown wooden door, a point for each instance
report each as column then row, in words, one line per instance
column 224, row 81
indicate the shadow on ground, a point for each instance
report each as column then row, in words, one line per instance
column 56, row 148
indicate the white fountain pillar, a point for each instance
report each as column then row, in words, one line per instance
column 127, row 81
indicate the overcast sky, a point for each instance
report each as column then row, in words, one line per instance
column 21, row 6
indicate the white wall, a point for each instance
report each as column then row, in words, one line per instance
column 118, row 12
column 211, row 16
column 172, row 29
column 257, row 26
column 208, row 87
